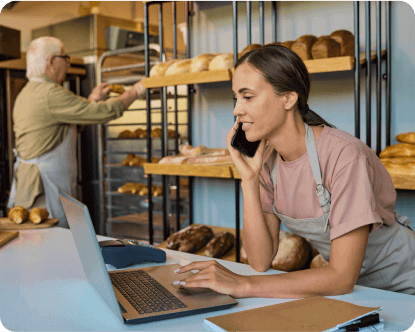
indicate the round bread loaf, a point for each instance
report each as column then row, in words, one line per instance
column 221, row 62
column 160, row 68
column 302, row 46
column 318, row 261
column 179, row 67
column 325, row 47
column 346, row 40
column 249, row 48
column 293, row 254
column 287, row 43
column 406, row 137
column 201, row 62
column 398, row 150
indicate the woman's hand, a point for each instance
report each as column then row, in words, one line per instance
column 248, row 168
column 216, row 277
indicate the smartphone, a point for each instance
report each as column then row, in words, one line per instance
column 240, row 143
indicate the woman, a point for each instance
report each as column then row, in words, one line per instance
column 323, row 184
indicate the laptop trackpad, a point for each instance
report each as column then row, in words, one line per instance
column 193, row 290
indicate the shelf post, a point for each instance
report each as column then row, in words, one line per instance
column 356, row 70
column 378, row 79
column 368, row 79
column 388, row 72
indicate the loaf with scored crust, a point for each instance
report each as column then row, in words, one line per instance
column 346, row 40
column 219, row 244
column 325, row 47
column 302, row 46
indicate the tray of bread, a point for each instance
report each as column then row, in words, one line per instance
column 20, row 218
column 294, row 252
column 399, row 160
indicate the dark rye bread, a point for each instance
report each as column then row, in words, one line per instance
column 219, row 244
column 190, row 239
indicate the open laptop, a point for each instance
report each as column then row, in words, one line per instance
column 136, row 295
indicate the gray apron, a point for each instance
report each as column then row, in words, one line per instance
column 58, row 168
column 389, row 261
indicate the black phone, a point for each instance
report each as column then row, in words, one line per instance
column 240, row 143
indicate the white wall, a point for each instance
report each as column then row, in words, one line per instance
column 332, row 94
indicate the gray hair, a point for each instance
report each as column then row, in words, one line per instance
column 37, row 54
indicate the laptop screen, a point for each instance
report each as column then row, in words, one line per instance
column 89, row 251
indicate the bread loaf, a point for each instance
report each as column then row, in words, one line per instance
column 398, row 160
column 191, row 151
column 318, row 261
column 248, row 49
column 179, row 67
column 346, row 40
column 293, row 253
column 140, row 133
column 219, row 244
column 325, row 47
column 18, row 214
column 126, row 134
column 116, row 88
column 160, row 68
column 401, row 169
column 37, row 215
column 398, row 150
column 221, row 62
column 190, row 239
column 173, row 241
column 406, row 138
column 287, row 43
column 201, row 62
column 302, row 46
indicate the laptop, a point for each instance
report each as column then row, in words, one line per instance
column 136, row 295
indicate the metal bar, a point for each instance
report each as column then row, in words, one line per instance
column 261, row 21
column 368, row 79
column 274, row 21
column 248, row 22
column 9, row 126
column 388, row 72
column 378, row 78
column 237, row 182
column 356, row 70
column 126, row 67
column 148, row 102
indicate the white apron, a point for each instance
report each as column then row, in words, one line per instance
column 58, row 168
column 389, row 261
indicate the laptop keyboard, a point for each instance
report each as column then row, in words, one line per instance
column 144, row 293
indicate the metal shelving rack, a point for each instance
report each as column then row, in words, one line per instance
column 132, row 211
column 357, row 70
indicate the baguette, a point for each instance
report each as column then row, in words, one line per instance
column 159, row 69
column 201, row 62
column 398, row 150
column 179, row 67
column 18, row 214
column 38, row 215
column 221, row 62
column 401, row 169
column 406, row 137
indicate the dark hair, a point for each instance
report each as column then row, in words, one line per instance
column 286, row 72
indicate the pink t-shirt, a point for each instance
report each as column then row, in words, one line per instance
column 361, row 189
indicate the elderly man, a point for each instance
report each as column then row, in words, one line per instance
column 45, row 116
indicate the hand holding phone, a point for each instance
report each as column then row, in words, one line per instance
column 240, row 143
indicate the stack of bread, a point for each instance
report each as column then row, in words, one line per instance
column 135, row 160
column 19, row 214
column 190, row 155
column 338, row 43
column 142, row 133
column 400, row 158
column 140, row 189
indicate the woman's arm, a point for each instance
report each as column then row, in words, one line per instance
column 260, row 230
column 339, row 277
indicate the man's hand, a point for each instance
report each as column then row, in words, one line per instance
column 100, row 92
column 141, row 90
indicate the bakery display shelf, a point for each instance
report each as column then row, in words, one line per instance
column 334, row 64
column 120, row 165
column 190, row 78
column 213, row 171
column 403, row 181
column 183, row 191
column 230, row 255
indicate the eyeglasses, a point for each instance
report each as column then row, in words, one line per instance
column 66, row 57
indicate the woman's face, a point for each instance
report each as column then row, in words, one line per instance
column 257, row 106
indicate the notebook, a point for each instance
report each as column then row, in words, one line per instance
column 136, row 295
column 310, row 314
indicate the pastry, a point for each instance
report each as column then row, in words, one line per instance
column 140, row 133
column 221, row 62
column 318, row 261
column 249, row 48
column 398, row 150
column 346, row 40
column 201, row 62
column 158, row 191
column 172, row 133
column 406, row 137
column 130, row 188
column 293, row 253
column 302, row 46
column 126, row 161
column 18, row 214
column 219, row 244
column 160, row 68
column 179, row 67
column 117, row 89
column 325, row 47
column 156, row 132
column 126, row 134
column 37, row 215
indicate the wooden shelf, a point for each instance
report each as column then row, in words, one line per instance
column 213, row 171
column 314, row 66
column 230, row 255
